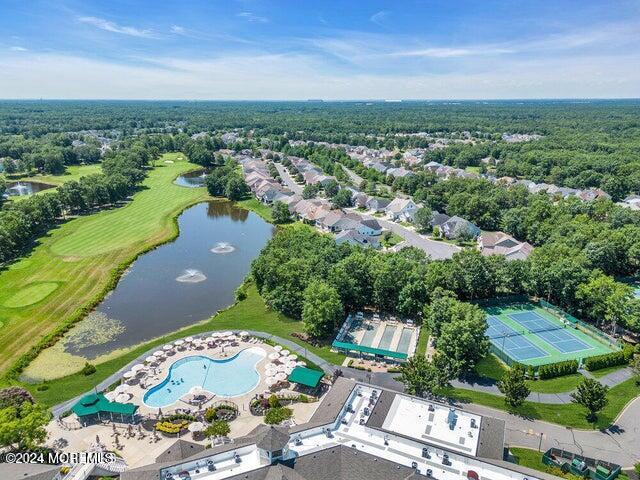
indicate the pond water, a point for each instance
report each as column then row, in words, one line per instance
column 178, row 283
column 191, row 179
column 20, row 188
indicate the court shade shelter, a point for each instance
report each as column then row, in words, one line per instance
column 375, row 352
column 306, row 376
column 95, row 404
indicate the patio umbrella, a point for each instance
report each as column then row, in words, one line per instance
column 292, row 356
column 274, row 356
column 270, row 381
column 121, row 389
column 277, row 348
column 158, row 353
column 301, row 364
column 137, row 367
column 151, row 359
column 196, row 427
column 211, row 338
column 290, row 364
column 122, row 398
column 218, row 334
column 281, row 376
column 195, row 390
column 166, row 348
column 281, row 368
column 244, row 333
column 288, row 370
column 110, row 396
column 178, row 342
column 228, row 333
column 188, row 339
column 128, row 375
column 284, row 353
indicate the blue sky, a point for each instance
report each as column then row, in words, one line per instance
column 258, row 49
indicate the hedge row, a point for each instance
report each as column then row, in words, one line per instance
column 558, row 369
column 608, row 360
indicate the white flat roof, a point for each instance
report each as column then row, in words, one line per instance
column 429, row 422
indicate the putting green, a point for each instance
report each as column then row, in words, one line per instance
column 31, row 294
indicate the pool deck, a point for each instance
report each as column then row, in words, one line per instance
column 358, row 334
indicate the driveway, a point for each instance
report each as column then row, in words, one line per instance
column 287, row 179
column 436, row 250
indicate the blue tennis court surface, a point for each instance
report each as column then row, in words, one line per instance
column 511, row 342
column 557, row 335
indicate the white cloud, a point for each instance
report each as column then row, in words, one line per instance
column 379, row 17
column 253, row 18
column 297, row 76
column 109, row 26
column 18, row 49
column 177, row 29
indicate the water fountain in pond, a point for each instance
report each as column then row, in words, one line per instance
column 19, row 189
column 223, row 247
column 191, row 275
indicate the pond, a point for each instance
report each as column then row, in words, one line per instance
column 192, row 179
column 15, row 189
column 178, row 283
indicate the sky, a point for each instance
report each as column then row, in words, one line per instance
column 320, row 49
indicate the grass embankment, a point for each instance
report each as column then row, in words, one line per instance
column 254, row 205
column 570, row 415
column 73, row 172
column 491, row 367
column 533, row 459
column 248, row 314
column 76, row 264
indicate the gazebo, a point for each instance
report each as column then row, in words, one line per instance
column 96, row 405
column 306, row 377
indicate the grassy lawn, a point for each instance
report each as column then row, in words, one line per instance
column 492, row 367
column 249, row 314
column 423, row 340
column 606, row 371
column 392, row 240
column 569, row 415
column 258, row 207
column 533, row 459
column 76, row 264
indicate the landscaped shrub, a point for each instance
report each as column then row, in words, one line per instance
column 222, row 412
column 303, row 398
column 278, row 415
column 531, row 372
column 603, row 361
column 558, row 369
column 179, row 416
column 171, row 428
column 274, row 401
column 14, row 397
column 218, row 428
column 88, row 369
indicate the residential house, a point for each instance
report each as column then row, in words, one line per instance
column 500, row 243
column 370, row 227
column 377, row 204
column 353, row 237
column 401, row 209
column 399, row 172
column 456, row 226
column 360, row 200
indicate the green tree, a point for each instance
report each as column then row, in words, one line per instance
column 23, row 427
column 331, row 188
column 422, row 377
column 235, row 188
column 514, row 387
column 592, row 395
column 322, row 309
column 275, row 416
column 310, row 191
column 422, row 220
column 280, row 213
column 463, row 342
column 342, row 199
column 219, row 428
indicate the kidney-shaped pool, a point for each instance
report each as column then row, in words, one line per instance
column 230, row 377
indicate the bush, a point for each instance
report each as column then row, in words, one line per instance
column 218, row 428
column 558, row 369
column 531, row 372
column 604, row 361
column 88, row 369
column 274, row 401
column 274, row 416
column 170, row 427
column 42, row 388
column 303, row 398
column 14, row 397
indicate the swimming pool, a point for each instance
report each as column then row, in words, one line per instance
column 226, row 378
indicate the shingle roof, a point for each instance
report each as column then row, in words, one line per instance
column 273, row 438
column 180, row 450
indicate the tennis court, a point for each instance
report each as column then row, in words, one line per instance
column 531, row 335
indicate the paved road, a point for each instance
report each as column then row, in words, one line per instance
column 436, row 250
column 287, row 179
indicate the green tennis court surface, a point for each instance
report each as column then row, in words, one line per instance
column 528, row 334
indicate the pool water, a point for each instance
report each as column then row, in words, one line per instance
column 226, row 378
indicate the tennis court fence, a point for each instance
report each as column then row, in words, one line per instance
column 584, row 326
column 517, row 333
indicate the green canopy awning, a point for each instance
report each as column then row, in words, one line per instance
column 370, row 350
column 306, row 376
column 96, row 403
